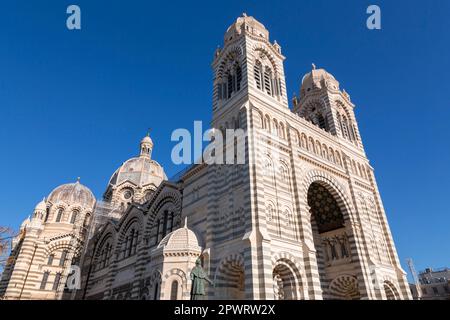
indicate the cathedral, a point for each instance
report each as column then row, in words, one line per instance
column 300, row 219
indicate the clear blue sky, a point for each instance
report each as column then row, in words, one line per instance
column 77, row 103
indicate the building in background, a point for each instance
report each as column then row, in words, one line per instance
column 302, row 218
column 49, row 244
column 434, row 284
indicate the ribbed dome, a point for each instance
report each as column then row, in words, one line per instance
column 314, row 79
column 254, row 26
column 72, row 193
column 183, row 239
column 140, row 171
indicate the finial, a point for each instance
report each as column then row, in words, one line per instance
column 244, row 14
column 313, row 66
column 78, row 179
column 148, row 131
column 185, row 222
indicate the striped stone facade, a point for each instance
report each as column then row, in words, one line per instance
column 301, row 218
column 49, row 244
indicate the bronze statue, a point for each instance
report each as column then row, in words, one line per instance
column 198, row 277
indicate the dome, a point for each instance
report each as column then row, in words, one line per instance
column 140, row 171
column 251, row 24
column 72, row 193
column 183, row 239
column 315, row 78
column 147, row 139
column 41, row 206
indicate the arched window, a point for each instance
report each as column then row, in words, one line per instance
column 318, row 148
column 340, row 124
column 59, row 215
column 231, row 82
column 62, row 260
column 257, row 74
column 130, row 243
column 325, row 152
column 331, row 155
column 57, row 281
column 47, row 213
column 267, row 123
column 104, row 257
column 275, row 127
column 238, row 77
column 164, row 225
column 345, row 128
column 268, row 81
column 355, row 171
column 87, row 220
column 312, row 146
column 73, row 219
column 174, row 290
column 322, row 122
column 352, row 133
column 44, row 280
column 134, row 242
column 130, row 239
column 338, row 159
column 50, row 259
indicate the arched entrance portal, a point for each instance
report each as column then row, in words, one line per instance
column 230, row 279
column 390, row 291
column 285, row 282
column 344, row 288
column 330, row 239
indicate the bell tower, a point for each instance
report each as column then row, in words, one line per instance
column 248, row 65
column 324, row 104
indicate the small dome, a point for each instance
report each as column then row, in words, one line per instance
column 314, row 80
column 41, row 206
column 183, row 239
column 72, row 193
column 252, row 25
column 147, row 139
